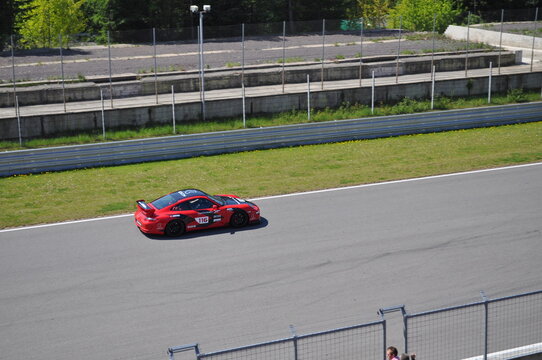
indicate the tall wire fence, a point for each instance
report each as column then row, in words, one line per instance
column 499, row 328
column 89, row 72
column 141, row 52
column 495, row 329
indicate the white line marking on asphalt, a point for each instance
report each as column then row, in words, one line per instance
column 296, row 194
column 398, row 181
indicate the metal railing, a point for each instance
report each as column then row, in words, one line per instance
column 496, row 329
column 365, row 341
column 183, row 146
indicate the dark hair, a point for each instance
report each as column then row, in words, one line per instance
column 393, row 350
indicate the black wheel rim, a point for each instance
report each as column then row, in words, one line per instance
column 239, row 219
column 174, row 228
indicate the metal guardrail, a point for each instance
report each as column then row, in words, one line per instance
column 184, row 146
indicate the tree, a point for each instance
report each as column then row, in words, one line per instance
column 476, row 6
column 8, row 12
column 418, row 15
column 374, row 12
column 96, row 13
column 42, row 21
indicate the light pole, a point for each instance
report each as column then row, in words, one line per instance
column 195, row 10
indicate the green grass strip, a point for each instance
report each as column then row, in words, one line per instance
column 52, row 197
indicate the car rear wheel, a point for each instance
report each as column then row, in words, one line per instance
column 239, row 219
column 175, row 228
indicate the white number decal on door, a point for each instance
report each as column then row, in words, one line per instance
column 202, row 220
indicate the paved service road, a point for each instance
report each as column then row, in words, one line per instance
column 89, row 61
column 102, row 290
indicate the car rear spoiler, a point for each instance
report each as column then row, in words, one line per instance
column 145, row 207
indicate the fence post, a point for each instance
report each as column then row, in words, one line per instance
column 155, row 69
column 244, row 106
column 384, row 335
column 18, row 120
column 294, row 339
column 486, row 320
column 110, row 71
column 398, row 50
column 243, row 54
column 500, row 39
column 489, row 83
column 467, row 46
column 308, row 97
column 373, row 94
column 534, row 37
column 243, row 71
column 432, row 86
column 405, row 331
column 199, row 69
column 202, row 64
column 103, row 114
column 173, row 106
column 62, row 71
column 433, row 52
column 13, row 70
column 360, row 51
column 283, row 52
column 323, row 51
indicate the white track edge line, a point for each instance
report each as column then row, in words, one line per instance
column 295, row 194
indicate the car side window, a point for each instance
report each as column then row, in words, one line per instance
column 182, row 206
column 201, row 203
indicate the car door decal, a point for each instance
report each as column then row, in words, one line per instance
column 207, row 217
column 202, row 220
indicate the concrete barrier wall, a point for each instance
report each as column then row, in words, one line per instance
column 492, row 37
column 225, row 79
column 47, row 125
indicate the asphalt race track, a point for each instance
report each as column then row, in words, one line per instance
column 102, row 290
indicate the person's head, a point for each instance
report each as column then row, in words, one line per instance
column 391, row 352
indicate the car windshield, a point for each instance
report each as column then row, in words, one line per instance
column 217, row 200
column 172, row 198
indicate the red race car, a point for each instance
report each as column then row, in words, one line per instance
column 192, row 209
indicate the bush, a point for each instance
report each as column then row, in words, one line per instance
column 418, row 15
column 517, row 96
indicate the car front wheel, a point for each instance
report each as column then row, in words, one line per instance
column 175, row 228
column 239, row 219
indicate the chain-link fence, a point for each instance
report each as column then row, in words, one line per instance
column 496, row 329
column 514, row 322
column 454, row 333
column 94, row 72
column 143, row 52
column 365, row 341
column 503, row 328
